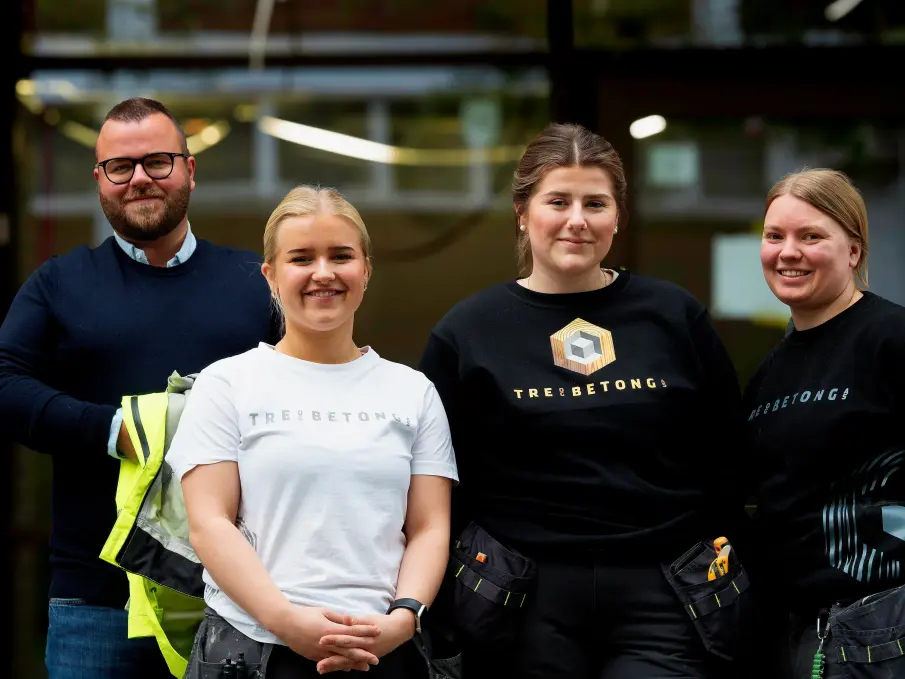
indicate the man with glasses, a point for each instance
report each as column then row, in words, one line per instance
column 99, row 323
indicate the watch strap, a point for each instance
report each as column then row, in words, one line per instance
column 414, row 606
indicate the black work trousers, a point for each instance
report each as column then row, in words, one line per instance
column 403, row 663
column 594, row 621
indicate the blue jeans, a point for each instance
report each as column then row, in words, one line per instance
column 91, row 642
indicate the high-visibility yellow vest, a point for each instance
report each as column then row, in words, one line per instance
column 150, row 539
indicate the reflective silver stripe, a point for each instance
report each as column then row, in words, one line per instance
column 139, row 429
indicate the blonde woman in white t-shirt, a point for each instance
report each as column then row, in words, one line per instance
column 316, row 474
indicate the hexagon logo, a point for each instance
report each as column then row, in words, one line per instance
column 582, row 347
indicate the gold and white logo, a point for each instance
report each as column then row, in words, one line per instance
column 582, row 347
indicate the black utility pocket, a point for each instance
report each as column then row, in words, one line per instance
column 487, row 585
column 720, row 608
column 868, row 638
column 445, row 668
column 216, row 642
column 437, row 668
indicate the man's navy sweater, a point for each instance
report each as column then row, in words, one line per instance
column 88, row 328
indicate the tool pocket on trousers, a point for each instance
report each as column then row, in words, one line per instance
column 487, row 585
column 446, row 668
column 216, row 642
column 437, row 668
column 720, row 609
column 868, row 638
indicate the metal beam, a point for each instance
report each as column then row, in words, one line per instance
column 114, row 62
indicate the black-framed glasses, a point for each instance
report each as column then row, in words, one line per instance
column 156, row 166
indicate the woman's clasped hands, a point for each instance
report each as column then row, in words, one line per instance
column 337, row 641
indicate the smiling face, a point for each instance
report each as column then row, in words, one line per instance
column 318, row 272
column 570, row 221
column 144, row 209
column 808, row 259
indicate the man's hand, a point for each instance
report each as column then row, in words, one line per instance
column 124, row 444
column 395, row 629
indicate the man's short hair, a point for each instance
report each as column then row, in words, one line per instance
column 136, row 109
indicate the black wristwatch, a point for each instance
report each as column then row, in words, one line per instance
column 414, row 606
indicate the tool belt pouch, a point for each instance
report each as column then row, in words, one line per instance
column 868, row 637
column 484, row 599
column 720, row 609
column 437, row 668
column 217, row 640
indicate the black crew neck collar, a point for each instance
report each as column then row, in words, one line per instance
column 566, row 300
column 798, row 337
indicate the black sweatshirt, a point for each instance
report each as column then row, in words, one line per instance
column 589, row 421
column 826, row 429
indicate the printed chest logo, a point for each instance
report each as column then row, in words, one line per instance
column 582, row 347
column 585, row 348
column 299, row 415
column 799, row 398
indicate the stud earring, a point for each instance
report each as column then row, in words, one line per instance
column 521, row 227
column 615, row 230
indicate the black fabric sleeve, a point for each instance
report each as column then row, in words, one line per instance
column 441, row 364
column 722, row 426
column 720, row 386
column 888, row 364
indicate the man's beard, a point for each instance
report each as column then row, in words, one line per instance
column 145, row 224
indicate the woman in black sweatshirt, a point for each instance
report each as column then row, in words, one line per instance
column 825, row 415
column 594, row 415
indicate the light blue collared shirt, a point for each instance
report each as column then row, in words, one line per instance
column 188, row 247
column 136, row 253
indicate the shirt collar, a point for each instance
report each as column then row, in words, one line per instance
column 188, row 247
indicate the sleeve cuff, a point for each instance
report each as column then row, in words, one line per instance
column 115, row 426
column 436, row 468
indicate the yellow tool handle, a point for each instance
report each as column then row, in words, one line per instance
column 720, row 565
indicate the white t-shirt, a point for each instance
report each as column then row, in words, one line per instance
column 325, row 455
